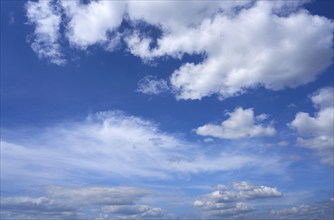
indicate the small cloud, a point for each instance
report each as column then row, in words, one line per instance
column 47, row 20
column 240, row 124
column 317, row 132
column 262, row 117
column 150, row 85
column 11, row 18
column 208, row 140
column 283, row 143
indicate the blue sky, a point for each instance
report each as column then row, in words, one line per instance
column 167, row 109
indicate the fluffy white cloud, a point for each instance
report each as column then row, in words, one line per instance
column 244, row 44
column 254, row 47
column 112, row 144
column 248, row 191
column 241, row 124
column 46, row 18
column 150, row 85
column 81, row 203
column 184, row 13
column 323, row 98
column 91, row 23
column 317, row 132
column 224, row 202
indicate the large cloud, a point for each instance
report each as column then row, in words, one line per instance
column 113, row 144
column 81, row 203
column 242, row 123
column 251, row 48
column 317, row 132
column 244, row 44
column 227, row 203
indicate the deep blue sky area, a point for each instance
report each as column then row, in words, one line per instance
column 89, row 121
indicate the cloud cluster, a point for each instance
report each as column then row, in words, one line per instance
column 242, row 123
column 317, row 132
column 233, row 203
column 244, row 44
column 113, row 144
column 322, row 210
column 81, row 203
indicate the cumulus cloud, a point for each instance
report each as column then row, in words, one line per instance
column 231, row 203
column 248, row 191
column 150, row 85
column 92, row 23
column 184, row 14
column 274, row 54
column 322, row 210
column 242, row 123
column 46, row 19
column 113, row 144
column 244, row 44
column 81, row 203
column 316, row 132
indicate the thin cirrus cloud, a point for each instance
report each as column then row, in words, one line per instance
column 232, row 203
column 81, row 203
column 242, row 123
column 150, row 85
column 113, row 144
column 317, row 132
column 245, row 44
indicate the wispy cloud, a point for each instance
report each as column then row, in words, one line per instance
column 46, row 19
column 113, row 144
column 321, row 210
column 150, row 85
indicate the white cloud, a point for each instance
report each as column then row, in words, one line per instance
column 91, row 23
column 244, row 44
column 241, row 124
column 47, row 19
column 322, row 210
column 81, row 203
column 316, row 132
column 112, row 144
column 134, row 211
column 274, row 54
column 323, row 98
column 98, row 195
column 150, row 85
column 248, row 191
column 228, row 203
column 184, row 13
